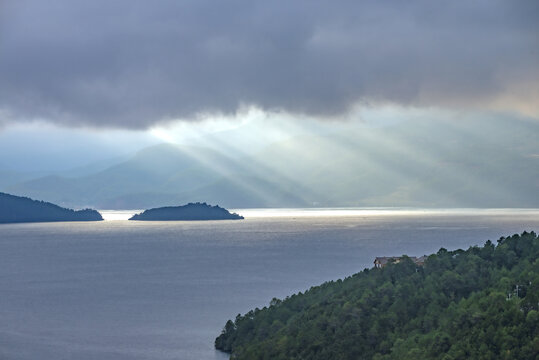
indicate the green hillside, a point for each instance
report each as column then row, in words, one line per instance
column 481, row 303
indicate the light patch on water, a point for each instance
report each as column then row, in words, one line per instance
column 368, row 212
column 115, row 215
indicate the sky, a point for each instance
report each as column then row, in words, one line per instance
column 83, row 81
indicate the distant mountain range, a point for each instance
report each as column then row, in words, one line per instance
column 481, row 163
column 16, row 209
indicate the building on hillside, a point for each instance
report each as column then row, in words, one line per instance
column 382, row 261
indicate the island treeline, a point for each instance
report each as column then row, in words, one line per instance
column 481, row 303
column 17, row 209
column 191, row 211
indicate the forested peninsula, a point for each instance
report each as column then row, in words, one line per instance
column 191, row 211
column 17, row 209
column 481, row 303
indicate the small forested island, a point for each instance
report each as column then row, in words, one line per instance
column 191, row 211
column 481, row 303
column 17, row 209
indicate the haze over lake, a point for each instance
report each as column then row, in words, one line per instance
column 163, row 290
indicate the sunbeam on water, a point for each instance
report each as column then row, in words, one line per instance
column 115, row 215
column 374, row 212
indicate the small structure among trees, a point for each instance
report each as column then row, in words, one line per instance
column 382, row 261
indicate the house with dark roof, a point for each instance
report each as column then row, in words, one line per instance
column 382, row 261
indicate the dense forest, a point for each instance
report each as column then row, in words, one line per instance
column 191, row 211
column 16, row 209
column 481, row 303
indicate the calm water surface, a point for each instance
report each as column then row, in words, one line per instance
column 163, row 290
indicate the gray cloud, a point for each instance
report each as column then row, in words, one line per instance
column 130, row 63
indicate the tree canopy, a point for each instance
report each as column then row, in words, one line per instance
column 480, row 303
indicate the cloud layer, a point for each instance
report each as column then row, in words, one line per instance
column 132, row 64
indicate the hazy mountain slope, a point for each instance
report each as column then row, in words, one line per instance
column 482, row 163
column 93, row 167
column 236, row 191
column 153, row 170
column 168, row 175
column 418, row 164
column 9, row 178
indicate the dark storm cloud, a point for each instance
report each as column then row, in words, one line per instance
column 129, row 63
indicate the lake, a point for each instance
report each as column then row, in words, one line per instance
column 164, row 290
